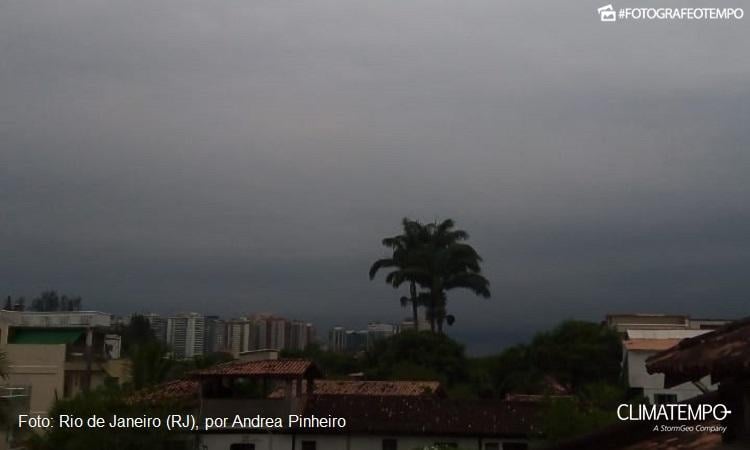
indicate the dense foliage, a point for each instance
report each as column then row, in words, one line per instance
column 435, row 259
column 416, row 356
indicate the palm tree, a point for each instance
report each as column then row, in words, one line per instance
column 149, row 364
column 454, row 266
column 406, row 248
column 435, row 258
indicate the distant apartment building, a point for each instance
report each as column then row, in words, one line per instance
column 356, row 341
column 259, row 333
column 238, row 336
column 644, row 335
column 421, row 324
column 120, row 321
column 56, row 355
column 215, row 335
column 301, row 335
column 267, row 332
column 379, row 330
column 186, row 335
column 277, row 333
column 337, row 339
column 341, row 340
column 158, row 325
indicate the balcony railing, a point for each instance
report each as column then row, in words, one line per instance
column 63, row 319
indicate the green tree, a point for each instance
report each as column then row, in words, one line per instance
column 592, row 408
column 435, row 258
column 417, row 355
column 136, row 333
column 447, row 262
column 150, row 364
column 406, row 248
column 577, row 353
column 333, row 364
column 51, row 301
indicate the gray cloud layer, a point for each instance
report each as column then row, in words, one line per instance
column 231, row 156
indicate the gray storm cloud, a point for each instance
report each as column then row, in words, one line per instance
column 231, row 156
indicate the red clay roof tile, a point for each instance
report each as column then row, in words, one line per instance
column 278, row 367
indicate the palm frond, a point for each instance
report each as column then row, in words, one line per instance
column 381, row 264
column 474, row 282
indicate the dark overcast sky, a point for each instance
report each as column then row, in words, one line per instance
column 233, row 156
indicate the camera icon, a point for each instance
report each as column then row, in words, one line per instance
column 607, row 13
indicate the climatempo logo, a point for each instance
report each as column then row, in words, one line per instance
column 673, row 413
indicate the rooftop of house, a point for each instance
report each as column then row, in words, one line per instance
column 721, row 353
column 663, row 334
column 277, row 368
column 371, row 388
column 189, row 389
column 649, row 345
column 427, row 415
column 393, row 407
column 174, row 391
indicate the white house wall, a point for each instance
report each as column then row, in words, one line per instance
column 653, row 384
column 336, row 442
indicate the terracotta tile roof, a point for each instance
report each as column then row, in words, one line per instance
column 655, row 345
column 720, row 353
column 176, row 390
column 533, row 397
column 282, row 368
column 415, row 414
column 427, row 415
column 372, row 388
column 347, row 387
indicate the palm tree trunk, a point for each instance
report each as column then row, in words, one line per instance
column 414, row 305
column 433, row 312
column 440, row 315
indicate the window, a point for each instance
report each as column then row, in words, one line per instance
column 492, row 446
column 309, row 445
column 390, row 444
column 515, row 446
column 661, row 399
column 242, row 447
